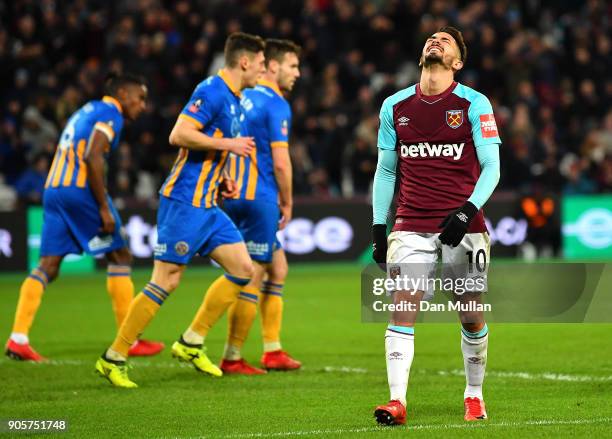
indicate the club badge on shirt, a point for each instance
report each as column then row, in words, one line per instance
column 195, row 107
column 285, row 128
column 454, row 118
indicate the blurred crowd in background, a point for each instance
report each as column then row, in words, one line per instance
column 545, row 66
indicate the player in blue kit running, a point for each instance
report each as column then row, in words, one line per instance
column 262, row 205
column 189, row 221
column 79, row 216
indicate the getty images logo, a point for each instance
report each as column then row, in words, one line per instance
column 424, row 149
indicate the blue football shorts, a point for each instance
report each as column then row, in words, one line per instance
column 72, row 223
column 258, row 224
column 184, row 231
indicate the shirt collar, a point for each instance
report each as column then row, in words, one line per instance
column 223, row 75
column 432, row 98
column 271, row 85
column 113, row 101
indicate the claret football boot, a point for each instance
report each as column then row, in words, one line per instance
column 240, row 367
column 279, row 360
column 145, row 348
column 474, row 409
column 392, row 413
column 22, row 352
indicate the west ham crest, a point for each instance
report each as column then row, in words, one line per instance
column 454, row 118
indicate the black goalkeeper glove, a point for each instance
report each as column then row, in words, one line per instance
column 456, row 224
column 379, row 246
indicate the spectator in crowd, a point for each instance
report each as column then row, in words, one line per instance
column 31, row 184
column 37, row 132
column 363, row 165
column 544, row 65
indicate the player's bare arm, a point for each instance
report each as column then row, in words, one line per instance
column 186, row 134
column 382, row 196
column 283, row 174
column 94, row 160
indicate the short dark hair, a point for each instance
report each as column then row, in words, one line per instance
column 239, row 42
column 458, row 37
column 114, row 81
column 276, row 49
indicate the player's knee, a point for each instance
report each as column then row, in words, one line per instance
column 277, row 271
column 51, row 269
column 244, row 269
column 169, row 283
column 125, row 257
column 472, row 326
column 172, row 285
column 278, row 275
column 120, row 257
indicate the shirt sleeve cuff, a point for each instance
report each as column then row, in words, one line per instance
column 197, row 123
column 279, row 144
column 106, row 130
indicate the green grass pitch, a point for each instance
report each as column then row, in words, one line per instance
column 546, row 380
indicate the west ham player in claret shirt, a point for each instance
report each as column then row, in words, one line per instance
column 444, row 136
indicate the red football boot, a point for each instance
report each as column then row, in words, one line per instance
column 240, row 367
column 279, row 360
column 145, row 348
column 392, row 413
column 474, row 409
column 22, row 352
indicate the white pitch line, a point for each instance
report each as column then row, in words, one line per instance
column 80, row 363
column 548, row 376
column 342, row 369
column 503, row 424
column 551, row 376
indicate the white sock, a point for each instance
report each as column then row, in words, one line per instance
column 474, row 348
column 232, row 352
column 272, row 346
column 399, row 352
column 193, row 337
column 20, row 338
column 114, row 355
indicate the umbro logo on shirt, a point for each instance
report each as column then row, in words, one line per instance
column 403, row 121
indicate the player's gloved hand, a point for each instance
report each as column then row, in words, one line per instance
column 456, row 224
column 379, row 246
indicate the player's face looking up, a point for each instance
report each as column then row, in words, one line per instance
column 288, row 71
column 133, row 99
column 441, row 48
column 253, row 66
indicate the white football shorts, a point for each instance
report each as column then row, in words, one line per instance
column 417, row 255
